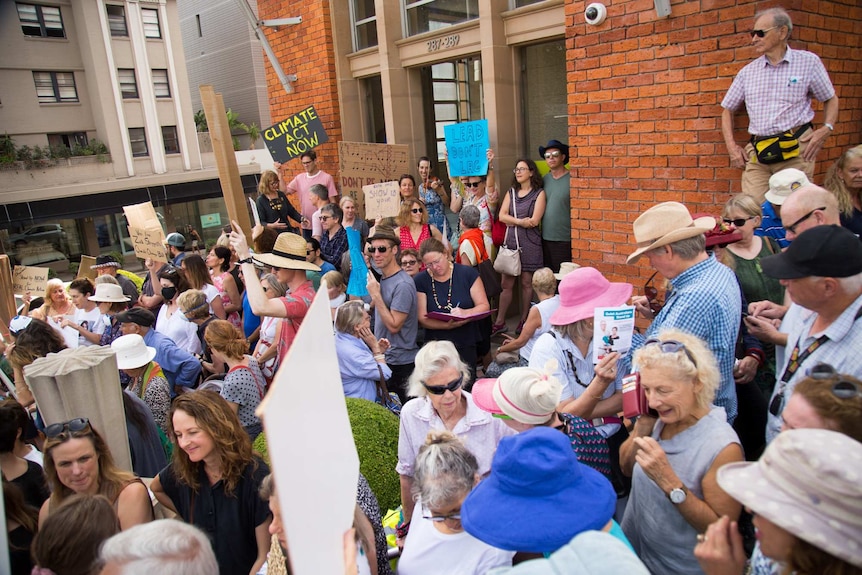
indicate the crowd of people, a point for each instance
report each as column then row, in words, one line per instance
column 738, row 452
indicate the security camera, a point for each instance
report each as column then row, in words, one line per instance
column 595, row 13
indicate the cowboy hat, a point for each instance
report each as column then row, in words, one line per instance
column 287, row 253
column 554, row 145
column 664, row 224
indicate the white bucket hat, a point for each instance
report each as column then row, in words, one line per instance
column 784, row 183
column 132, row 352
column 109, row 293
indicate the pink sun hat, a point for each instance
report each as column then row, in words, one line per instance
column 585, row 289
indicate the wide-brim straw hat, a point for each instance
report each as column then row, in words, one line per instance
column 664, row 224
column 565, row 269
column 109, row 293
column 288, row 253
column 132, row 352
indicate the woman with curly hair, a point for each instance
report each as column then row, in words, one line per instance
column 78, row 460
column 413, row 227
column 213, row 481
column 36, row 340
column 844, row 179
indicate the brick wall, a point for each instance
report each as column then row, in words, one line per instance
column 644, row 99
column 305, row 50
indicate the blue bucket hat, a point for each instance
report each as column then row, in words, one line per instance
column 538, row 496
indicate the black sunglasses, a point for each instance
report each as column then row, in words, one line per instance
column 671, row 346
column 378, row 249
column 472, row 184
column 738, row 222
column 761, row 33
column 417, row 210
column 73, row 426
column 441, row 389
column 792, row 227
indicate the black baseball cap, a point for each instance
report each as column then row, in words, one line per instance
column 138, row 315
column 823, row 251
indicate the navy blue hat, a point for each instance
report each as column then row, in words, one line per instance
column 555, row 144
column 538, row 495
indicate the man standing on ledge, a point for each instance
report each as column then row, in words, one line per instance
column 557, row 221
column 301, row 185
column 777, row 89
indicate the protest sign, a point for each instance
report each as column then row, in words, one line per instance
column 27, row 279
column 148, row 243
column 315, row 480
column 296, row 135
column 85, row 268
column 7, row 296
column 467, row 145
column 254, row 211
column 382, row 199
column 361, row 164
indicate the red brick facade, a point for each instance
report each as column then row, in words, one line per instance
column 645, row 114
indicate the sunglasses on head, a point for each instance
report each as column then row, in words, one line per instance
column 738, row 222
column 842, row 388
column 761, row 33
column 671, row 346
column 378, row 249
column 651, row 293
column 72, row 426
column 417, row 210
column 472, row 184
column 441, row 389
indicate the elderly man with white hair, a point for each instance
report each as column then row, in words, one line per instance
column 164, row 546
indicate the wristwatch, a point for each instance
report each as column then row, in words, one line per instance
column 247, row 260
column 830, row 126
column 677, row 496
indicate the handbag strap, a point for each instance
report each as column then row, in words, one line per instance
column 514, row 227
column 382, row 390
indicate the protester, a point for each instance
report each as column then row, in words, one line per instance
column 148, row 381
column 464, row 296
column 218, row 262
column 350, row 219
column 213, row 481
column 538, row 323
column 807, row 207
column 36, row 340
column 244, row 385
column 151, row 296
column 432, row 192
column 706, row 297
column 673, row 458
column 474, row 246
column 77, row 460
column 758, row 86
column 109, row 266
column 538, row 496
column 301, row 186
column 145, row 444
column 11, row 410
column 333, row 239
column 557, row 220
column 361, row 358
column 445, row 473
column 176, row 244
column 844, row 179
column 273, row 207
column 522, row 210
column 21, row 526
column 198, row 277
column 25, row 474
column 804, row 494
column 407, row 187
column 413, row 227
column 170, row 322
column 193, row 306
column 395, row 309
column 181, row 368
column 525, row 398
column 408, row 259
column 441, row 403
column 68, row 541
column 163, row 546
column 57, row 302
column 266, row 350
column 111, row 300
column 781, row 185
column 87, row 319
column 478, row 191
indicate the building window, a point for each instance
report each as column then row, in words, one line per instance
column 128, row 84
column 151, row 23
column 522, row 3
column 41, row 21
column 70, row 140
column 172, row 142
column 373, row 88
column 52, row 87
column 364, row 21
column 426, row 15
column 117, row 20
column 544, row 103
column 161, row 86
column 452, row 92
column 138, row 139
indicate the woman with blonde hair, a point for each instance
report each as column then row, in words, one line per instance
column 57, row 301
column 78, row 460
column 350, row 220
column 244, row 385
column 273, row 207
column 413, row 227
column 213, row 469
column 674, row 457
column 844, row 179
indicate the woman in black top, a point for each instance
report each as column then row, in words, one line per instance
column 273, row 207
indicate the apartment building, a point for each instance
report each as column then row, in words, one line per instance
column 95, row 98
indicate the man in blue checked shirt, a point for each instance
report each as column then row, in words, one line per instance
column 702, row 296
column 333, row 242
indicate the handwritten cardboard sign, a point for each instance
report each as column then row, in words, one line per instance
column 361, row 164
column 148, row 243
column 7, row 296
column 296, row 135
column 382, row 199
column 467, row 144
column 29, row 279
column 85, row 268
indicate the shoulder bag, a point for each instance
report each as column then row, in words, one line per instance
column 508, row 260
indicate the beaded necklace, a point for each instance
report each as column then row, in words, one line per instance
column 448, row 306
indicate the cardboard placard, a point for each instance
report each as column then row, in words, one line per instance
column 85, row 270
column 361, row 164
column 315, row 480
column 29, row 279
column 7, row 296
column 382, row 199
column 296, row 135
column 148, row 243
column 467, row 144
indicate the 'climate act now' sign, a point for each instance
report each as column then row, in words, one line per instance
column 294, row 136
